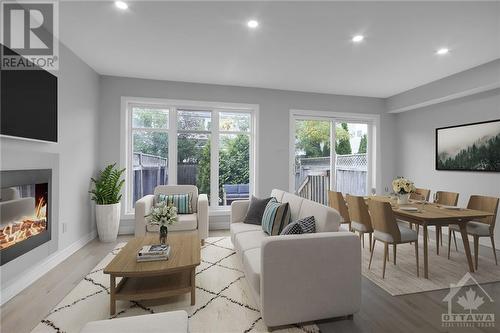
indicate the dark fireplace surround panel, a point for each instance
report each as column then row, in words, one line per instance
column 36, row 179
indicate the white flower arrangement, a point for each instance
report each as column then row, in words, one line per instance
column 162, row 214
column 402, row 185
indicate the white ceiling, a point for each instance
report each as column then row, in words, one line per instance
column 298, row 45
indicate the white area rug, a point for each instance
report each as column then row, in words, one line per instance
column 401, row 279
column 223, row 300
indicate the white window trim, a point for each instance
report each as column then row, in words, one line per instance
column 173, row 105
column 373, row 121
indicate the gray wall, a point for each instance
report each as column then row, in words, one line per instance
column 273, row 127
column 415, row 149
column 73, row 160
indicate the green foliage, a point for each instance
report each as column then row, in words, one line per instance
column 313, row 137
column 363, row 144
column 485, row 156
column 234, row 161
column 343, row 144
column 203, row 177
column 153, row 143
column 107, row 186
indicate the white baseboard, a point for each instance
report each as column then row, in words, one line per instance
column 127, row 227
column 43, row 267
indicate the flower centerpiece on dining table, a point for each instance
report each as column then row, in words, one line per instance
column 403, row 187
column 163, row 214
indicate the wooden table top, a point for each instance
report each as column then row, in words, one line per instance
column 432, row 212
column 184, row 254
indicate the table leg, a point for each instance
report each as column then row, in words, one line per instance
column 193, row 287
column 437, row 240
column 112, row 290
column 465, row 240
column 426, row 259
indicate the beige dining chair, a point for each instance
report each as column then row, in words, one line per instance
column 478, row 228
column 336, row 201
column 421, row 194
column 360, row 218
column 388, row 231
column 447, row 199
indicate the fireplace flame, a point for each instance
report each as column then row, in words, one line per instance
column 18, row 231
column 41, row 208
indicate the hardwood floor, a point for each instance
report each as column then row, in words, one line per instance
column 380, row 312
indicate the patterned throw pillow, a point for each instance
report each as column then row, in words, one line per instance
column 183, row 202
column 276, row 217
column 302, row 226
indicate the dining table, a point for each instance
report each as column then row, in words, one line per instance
column 430, row 214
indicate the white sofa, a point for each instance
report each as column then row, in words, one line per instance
column 196, row 221
column 300, row 278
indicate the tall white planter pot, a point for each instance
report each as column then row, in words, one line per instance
column 108, row 221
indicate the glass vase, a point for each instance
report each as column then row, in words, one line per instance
column 163, row 234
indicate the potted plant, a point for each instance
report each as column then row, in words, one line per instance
column 403, row 187
column 106, row 194
column 163, row 215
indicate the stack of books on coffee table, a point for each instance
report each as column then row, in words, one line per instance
column 153, row 252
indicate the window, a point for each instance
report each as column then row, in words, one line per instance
column 234, row 157
column 193, row 149
column 212, row 145
column 331, row 151
column 149, row 150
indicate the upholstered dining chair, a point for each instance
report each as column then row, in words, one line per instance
column 360, row 218
column 481, row 227
column 421, row 194
column 388, row 231
column 446, row 199
column 336, row 201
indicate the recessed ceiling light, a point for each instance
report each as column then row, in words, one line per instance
column 443, row 51
column 358, row 38
column 120, row 4
column 252, row 24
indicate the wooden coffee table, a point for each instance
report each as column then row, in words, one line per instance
column 155, row 279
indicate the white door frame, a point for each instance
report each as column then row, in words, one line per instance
column 373, row 121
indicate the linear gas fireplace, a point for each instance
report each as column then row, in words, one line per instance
column 24, row 211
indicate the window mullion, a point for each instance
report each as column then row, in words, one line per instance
column 172, row 147
column 214, row 161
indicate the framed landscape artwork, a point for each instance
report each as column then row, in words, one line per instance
column 469, row 147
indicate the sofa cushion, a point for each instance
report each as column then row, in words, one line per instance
column 244, row 188
column 184, row 222
column 292, row 229
column 295, row 202
column 306, row 225
column 248, row 240
column 251, row 265
column 176, row 321
column 236, row 228
column 256, row 210
column 179, row 189
column 183, row 202
column 278, row 194
column 230, row 189
column 276, row 217
column 327, row 219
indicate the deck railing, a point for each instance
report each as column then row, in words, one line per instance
column 312, row 176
